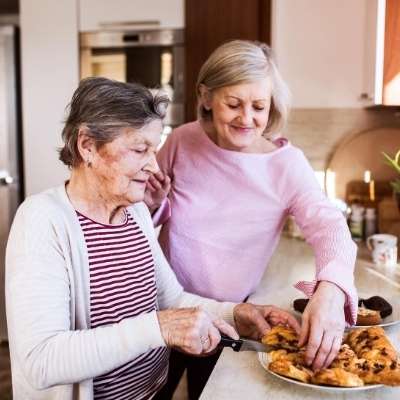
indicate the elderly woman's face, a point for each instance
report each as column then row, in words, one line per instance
column 240, row 113
column 123, row 166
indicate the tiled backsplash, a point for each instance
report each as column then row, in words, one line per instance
column 319, row 131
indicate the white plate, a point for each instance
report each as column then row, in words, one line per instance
column 263, row 358
column 390, row 320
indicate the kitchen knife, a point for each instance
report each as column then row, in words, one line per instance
column 244, row 345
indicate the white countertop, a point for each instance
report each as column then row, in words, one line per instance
column 241, row 376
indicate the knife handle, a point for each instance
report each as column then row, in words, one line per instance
column 226, row 341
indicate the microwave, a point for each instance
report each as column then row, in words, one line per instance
column 154, row 58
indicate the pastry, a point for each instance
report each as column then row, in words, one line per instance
column 372, row 344
column 293, row 356
column 375, row 372
column 291, row 370
column 378, row 361
column 366, row 357
column 366, row 316
column 377, row 303
column 281, row 337
column 346, row 359
column 336, row 377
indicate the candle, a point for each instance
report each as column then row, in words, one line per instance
column 372, row 190
column 330, row 179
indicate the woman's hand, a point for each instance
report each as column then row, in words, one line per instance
column 192, row 330
column 323, row 324
column 254, row 321
column 157, row 189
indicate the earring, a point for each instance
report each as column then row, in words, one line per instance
column 88, row 163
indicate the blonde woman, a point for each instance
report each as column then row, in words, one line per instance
column 232, row 184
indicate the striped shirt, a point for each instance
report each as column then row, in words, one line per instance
column 122, row 285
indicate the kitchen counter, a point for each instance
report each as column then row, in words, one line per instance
column 241, row 376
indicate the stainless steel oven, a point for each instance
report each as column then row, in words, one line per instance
column 154, row 58
column 10, row 148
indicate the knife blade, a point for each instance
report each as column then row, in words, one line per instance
column 244, row 345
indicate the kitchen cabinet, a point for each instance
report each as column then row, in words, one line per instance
column 382, row 53
column 319, row 49
column 209, row 23
column 125, row 14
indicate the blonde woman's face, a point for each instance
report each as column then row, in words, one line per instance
column 240, row 114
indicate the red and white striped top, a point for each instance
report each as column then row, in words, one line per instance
column 122, row 285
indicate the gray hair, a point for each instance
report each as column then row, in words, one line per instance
column 242, row 61
column 103, row 107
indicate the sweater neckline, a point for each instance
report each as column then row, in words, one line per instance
column 281, row 142
column 119, row 225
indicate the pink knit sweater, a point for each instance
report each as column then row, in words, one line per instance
column 226, row 211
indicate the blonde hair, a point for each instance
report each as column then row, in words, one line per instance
column 242, row 61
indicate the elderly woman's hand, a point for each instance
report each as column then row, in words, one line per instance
column 254, row 321
column 323, row 324
column 192, row 330
column 157, row 189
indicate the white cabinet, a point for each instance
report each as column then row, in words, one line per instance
column 319, row 47
column 381, row 75
column 130, row 14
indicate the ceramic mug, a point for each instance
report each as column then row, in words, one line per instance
column 383, row 248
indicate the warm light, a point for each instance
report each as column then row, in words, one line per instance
column 330, row 181
column 372, row 190
column 367, row 176
column 320, row 175
column 391, row 93
column 379, row 50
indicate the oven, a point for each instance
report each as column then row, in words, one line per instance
column 153, row 58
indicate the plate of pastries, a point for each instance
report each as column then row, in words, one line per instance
column 366, row 360
column 372, row 311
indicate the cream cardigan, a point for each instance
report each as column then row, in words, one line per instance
column 54, row 353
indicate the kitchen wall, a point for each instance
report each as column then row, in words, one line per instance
column 49, row 48
column 319, row 46
column 318, row 132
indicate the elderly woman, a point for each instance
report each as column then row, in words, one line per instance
column 234, row 182
column 92, row 305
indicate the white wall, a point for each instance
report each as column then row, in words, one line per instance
column 49, row 49
column 319, row 46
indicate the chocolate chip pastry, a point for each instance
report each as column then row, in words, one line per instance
column 282, row 337
column 366, row 357
column 377, row 358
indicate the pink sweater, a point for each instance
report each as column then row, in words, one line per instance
column 226, row 211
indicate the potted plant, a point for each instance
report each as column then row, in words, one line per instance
column 395, row 164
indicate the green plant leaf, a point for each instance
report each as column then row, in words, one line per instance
column 392, row 162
